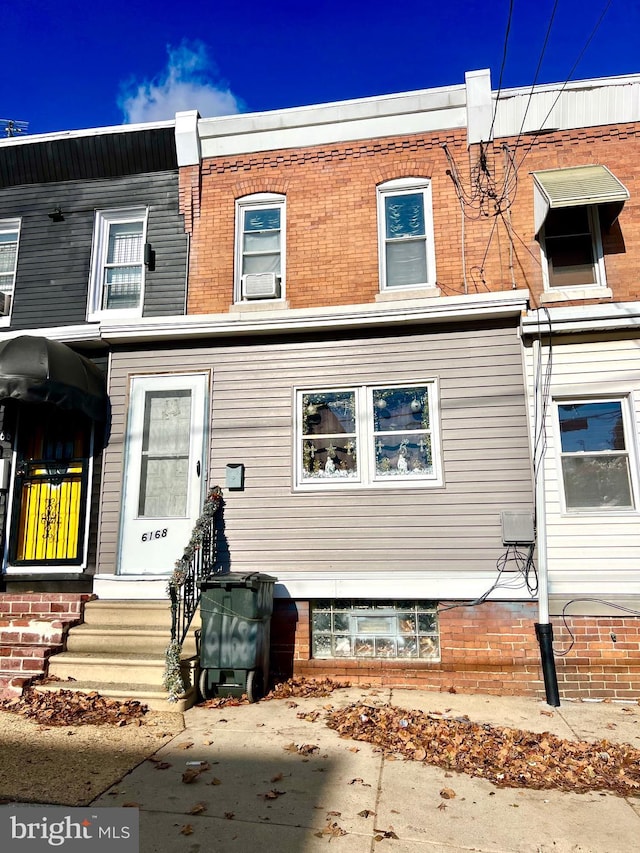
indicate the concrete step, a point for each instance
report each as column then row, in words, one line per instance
column 143, row 614
column 115, row 639
column 156, row 698
column 127, row 667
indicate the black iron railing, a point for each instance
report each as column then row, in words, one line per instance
column 197, row 562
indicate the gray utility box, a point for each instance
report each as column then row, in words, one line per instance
column 234, row 644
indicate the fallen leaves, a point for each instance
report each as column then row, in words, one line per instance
column 73, row 708
column 302, row 748
column 306, row 687
column 505, row 756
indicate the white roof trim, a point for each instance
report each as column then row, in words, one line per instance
column 407, row 312
column 582, row 318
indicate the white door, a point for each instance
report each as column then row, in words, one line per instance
column 164, row 470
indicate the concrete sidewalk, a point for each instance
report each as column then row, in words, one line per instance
column 261, row 791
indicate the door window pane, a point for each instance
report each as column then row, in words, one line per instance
column 166, row 435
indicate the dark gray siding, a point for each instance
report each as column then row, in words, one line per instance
column 54, row 258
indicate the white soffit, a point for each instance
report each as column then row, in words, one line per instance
column 578, row 185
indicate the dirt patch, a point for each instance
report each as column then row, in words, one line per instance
column 72, row 765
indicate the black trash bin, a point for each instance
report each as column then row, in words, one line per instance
column 236, row 613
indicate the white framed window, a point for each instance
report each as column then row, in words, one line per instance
column 9, row 240
column 572, row 249
column 405, row 234
column 595, row 455
column 117, row 267
column 367, row 435
column 260, row 247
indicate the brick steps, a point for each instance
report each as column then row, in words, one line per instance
column 33, row 628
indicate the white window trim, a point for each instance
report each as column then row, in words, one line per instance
column 403, row 186
column 9, row 226
column 630, row 448
column 366, row 478
column 579, row 291
column 259, row 201
column 103, row 221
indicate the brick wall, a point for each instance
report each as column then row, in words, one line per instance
column 490, row 648
column 33, row 626
column 332, row 236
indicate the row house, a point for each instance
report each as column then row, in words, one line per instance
column 90, row 229
column 400, row 333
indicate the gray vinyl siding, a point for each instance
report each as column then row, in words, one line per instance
column 270, row 527
column 54, row 258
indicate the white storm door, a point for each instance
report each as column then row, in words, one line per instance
column 164, row 470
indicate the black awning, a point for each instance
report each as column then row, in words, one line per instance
column 37, row 370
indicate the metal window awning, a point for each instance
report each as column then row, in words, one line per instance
column 37, row 370
column 578, row 185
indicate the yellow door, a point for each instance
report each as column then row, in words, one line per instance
column 51, row 485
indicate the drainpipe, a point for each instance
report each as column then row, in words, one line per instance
column 544, row 629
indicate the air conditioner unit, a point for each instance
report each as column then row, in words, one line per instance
column 5, row 304
column 264, row 285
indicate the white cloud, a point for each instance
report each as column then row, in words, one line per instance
column 187, row 83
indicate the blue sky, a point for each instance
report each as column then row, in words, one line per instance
column 73, row 64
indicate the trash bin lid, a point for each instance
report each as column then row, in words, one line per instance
column 231, row 579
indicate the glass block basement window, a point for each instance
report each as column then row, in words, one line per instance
column 375, row 629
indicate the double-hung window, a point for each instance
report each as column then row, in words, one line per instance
column 117, row 273
column 9, row 237
column 368, row 436
column 595, row 455
column 260, row 243
column 405, row 234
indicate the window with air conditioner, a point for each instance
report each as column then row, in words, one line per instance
column 9, row 239
column 118, row 267
column 260, row 256
column 405, row 234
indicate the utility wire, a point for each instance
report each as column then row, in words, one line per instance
column 504, row 60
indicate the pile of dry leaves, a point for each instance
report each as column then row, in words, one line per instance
column 71, row 708
column 507, row 757
column 299, row 688
column 302, row 688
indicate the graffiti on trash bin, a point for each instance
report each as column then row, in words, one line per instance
column 236, row 644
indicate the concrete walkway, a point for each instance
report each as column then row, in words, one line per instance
column 263, row 792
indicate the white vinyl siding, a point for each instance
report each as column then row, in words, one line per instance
column 591, row 551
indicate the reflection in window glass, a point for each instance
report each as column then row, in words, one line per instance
column 594, row 456
column 329, row 446
column 402, row 436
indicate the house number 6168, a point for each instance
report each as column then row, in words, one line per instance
column 154, row 534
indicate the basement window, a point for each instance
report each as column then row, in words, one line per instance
column 375, row 629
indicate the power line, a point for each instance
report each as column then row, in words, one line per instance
column 504, row 60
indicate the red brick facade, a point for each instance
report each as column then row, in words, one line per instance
column 332, row 236
column 490, row 648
